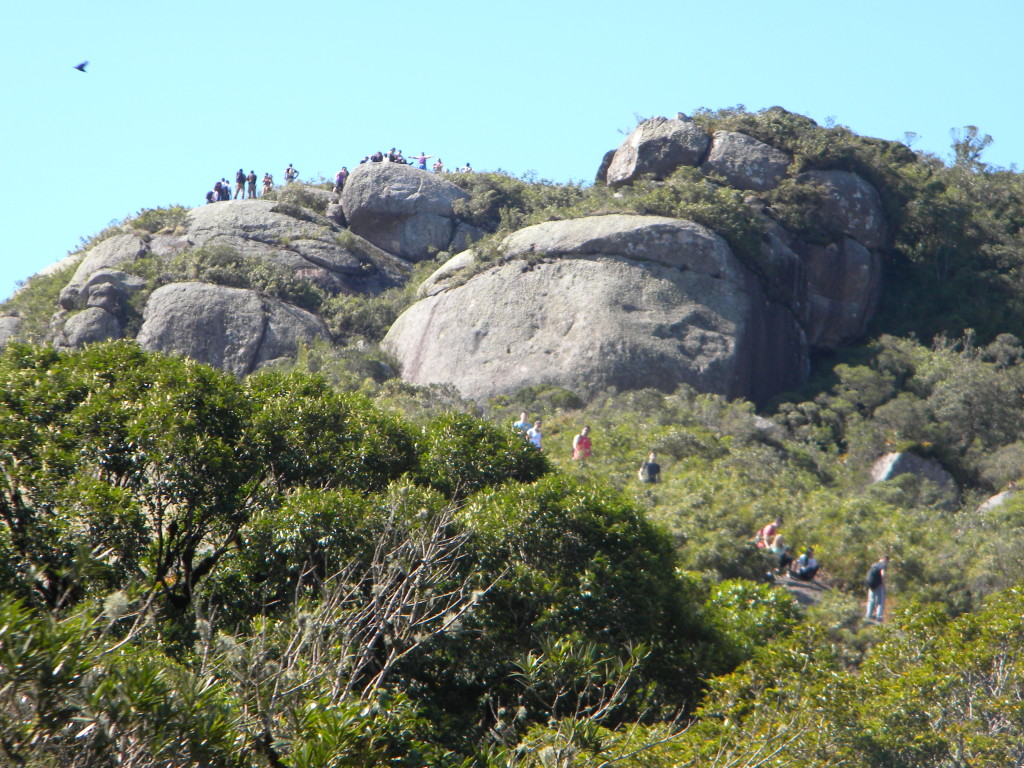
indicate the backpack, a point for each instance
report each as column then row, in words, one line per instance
column 874, row 579
column 240, row 177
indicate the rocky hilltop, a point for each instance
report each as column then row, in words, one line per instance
column 604, row 298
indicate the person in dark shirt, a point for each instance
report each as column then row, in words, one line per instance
column 650, row 471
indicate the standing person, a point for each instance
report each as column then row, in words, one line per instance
column 240, row 184
column 421, row 160
column 781, row 550
column 764, row 537
column 339, row 179
column 876, row 589
column 268, row 183
column 581, row 445
column 533, row 434
column 218, row 195
column 225, row 189
column 251, row 178
column 523, row 425
column 438, row 166
column 650, row 470
column 290, row 174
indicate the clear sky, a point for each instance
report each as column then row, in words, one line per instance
column 179, row 94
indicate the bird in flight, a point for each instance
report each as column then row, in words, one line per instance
column 81, row 67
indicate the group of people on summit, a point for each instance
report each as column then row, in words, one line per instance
column 420, row 161
column 245, row 183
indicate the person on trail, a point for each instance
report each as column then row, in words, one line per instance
column 805, row 566
column 581, row 445
column 650, row 470
column 240, row 184
column 764, row 537
column 533, row 434
column 268, row 183
column 251, row 179
column 782, row 551
column 421, row 160
column 876, row 589
column 438, row 166
column 523, row 425
column 290, row 174
column 339, row 179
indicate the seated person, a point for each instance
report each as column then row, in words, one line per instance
column 805, row 566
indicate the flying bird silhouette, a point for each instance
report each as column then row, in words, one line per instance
column 81, row 67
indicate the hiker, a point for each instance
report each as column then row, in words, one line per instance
column 364, row 160
column 217, row 195
column 209, row 196
column 533, row 434
column 268, row 183
column 650, row 470
column 581, row 445
column 290, row 174
column 523, row 425
column 251, row 178
column 225, row 189
column 401, row 160
column 876, row 589
column 240, row 184
column 421, row 160
column 764, row 536
column 392, row 157
column 782, row 551
column 467, row 168
column 438, row 166
column 339, row 179
column 377, row 157
column 805, row 566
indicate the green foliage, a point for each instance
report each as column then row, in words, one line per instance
column 460, row 455
column 35, row 302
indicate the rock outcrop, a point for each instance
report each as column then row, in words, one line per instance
column 231, row 328
column 892, row 465
column 401, row 209
column 657, row 147
column 745, row 162
column 607, row 301
column 293, row 239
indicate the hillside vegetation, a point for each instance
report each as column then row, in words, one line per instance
column 322, row 565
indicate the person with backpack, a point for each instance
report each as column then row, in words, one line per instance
column 876, row 589
column 240, row 184
column 290, row 174
column 251, row 179
column 268, row 183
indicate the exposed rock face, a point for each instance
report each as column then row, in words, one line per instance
column 606, row 301
column 657, row 146
column 269, row 230
column 745, row 162
column 87, row 327
column 405, row 211
column 8, row 328
column 894, row 464
column 852, row 204
column 844, row 286
column 994, row 502
column 230, row 328
column 109, row 254
column 295, row 239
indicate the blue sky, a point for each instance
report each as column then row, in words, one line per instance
column 178, row 95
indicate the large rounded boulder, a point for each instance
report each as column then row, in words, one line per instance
column 233, row 329
column 744, row 162
column 622, row 301
column 405, row 211
column 657, row 147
